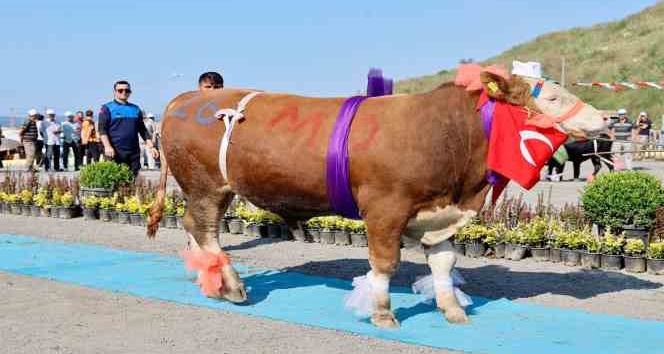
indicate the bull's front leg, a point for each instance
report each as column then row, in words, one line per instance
column 441, row 259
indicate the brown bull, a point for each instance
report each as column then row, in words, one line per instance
column 417, row 168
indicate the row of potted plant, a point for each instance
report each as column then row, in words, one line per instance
column 47, row 202
column 336, row 230
column 550, row 240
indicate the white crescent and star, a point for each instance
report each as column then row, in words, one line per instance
column 531, row 135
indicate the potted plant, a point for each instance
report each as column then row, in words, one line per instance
column 169, row 212
column 90, row 207
column 591, row 257
column 144, row 209
column 624, row 200
column 102, row 178
column 3, row 196
column 495, row 240
column 358, row 233
column 328, row 225
column 535, row 237
column 635, row 256
column 66, row 210
column 656, row 258
column 179, row 214
column 571, row 254
column 122, row 213
column 56, row 195
column 133, row 206
column 273, row 224
column 515, row 247
column 14, row 205
column 459, row 242
column 474, row 234
column 313, row 229
column 612, row 250
column 39, row 203
column 26, row 202
column 106, row 205
column 557, row 242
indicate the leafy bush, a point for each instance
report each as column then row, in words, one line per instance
column 120, row 207
column 474, row 233
column 90, row 202
column 26, row 196
column 133, row 205
column 106, row 203
column 635, row 248
column 12, row 198
column 41, row 199
column 623, row 198
column 67, row 200
column 169, row 205
column 592, row 244
column 357, row 226
column 313, row 223
column 656, row 250
column 106, row 174
column 495, row 235
column 612, row 245
column 534, row 233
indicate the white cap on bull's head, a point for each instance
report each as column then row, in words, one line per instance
column 557, row 105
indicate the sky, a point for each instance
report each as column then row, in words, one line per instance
column 67, row 54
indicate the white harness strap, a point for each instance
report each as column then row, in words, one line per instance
column 230, row 116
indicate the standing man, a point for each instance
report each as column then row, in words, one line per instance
column 644, row 124
column 41, row 138
column 51, row 130
column 89, row 139
column 623, row 133
column 210, row 81
column 29, row 134
column 71, row 133
column 120, row 124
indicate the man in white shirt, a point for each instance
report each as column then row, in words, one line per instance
column 51, row 132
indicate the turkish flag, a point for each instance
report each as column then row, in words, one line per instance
column 518, row 151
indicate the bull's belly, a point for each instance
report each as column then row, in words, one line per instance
column 431, row 227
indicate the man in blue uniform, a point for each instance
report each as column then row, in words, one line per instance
column 120, row 123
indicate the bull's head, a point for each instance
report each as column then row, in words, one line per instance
column 548, row 103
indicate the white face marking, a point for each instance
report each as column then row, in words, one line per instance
column 556, row 101
column 434, row 226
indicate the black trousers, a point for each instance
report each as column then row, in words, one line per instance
column 39, row 152
column 130, row 158
column 77, row 155
column 91, row 151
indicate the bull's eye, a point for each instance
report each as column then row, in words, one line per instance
column 552, row 98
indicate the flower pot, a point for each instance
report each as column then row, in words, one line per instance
column 55, row 212
column 635, row 264
column 35, row 210
column 261, row 230
column 66, row 212
column 590, row 260
column 475, row 249
column 123, row 217
column 88, row 213
column 341, row 238
column 162, row 222
column 26, row 210
column 358, row 240
column 460, row 248
column 136, row 219
column 250, row 230
column 515, row 252
column 236, row 226
column 315, row 235
column 540, row 254
column 114, row 215
column 499, row 249
column 45, row 212
column 171, row 221
column 285, row 232
column 273, row 231
column 2, row 207
column 655, row 266
column 327, row 236
column 611, row 262
column 555, row 255
column 223, row 225
column 105, row 215
column 571, row 258
column 85, row 192
column 15, row 208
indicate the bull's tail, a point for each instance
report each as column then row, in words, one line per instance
column 157, row 210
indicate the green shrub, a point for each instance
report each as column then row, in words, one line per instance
column 106, row 203
column 623, row 198
column 656, row 250
column 90, row 202
column 106, row 174
column 635, row 248
column 611, row 244
column 535, row 232
column 473, row 233
column 592, row 244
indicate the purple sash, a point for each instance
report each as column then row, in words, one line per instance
column 338, row 167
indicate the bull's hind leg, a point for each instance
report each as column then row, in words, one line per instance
column 441, row 259
column 202, row 222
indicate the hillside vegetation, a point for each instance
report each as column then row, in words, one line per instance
column 631, row 49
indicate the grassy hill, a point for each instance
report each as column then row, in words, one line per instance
column 631, row 49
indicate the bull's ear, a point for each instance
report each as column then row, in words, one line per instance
column 495, row 85
column 519, row 91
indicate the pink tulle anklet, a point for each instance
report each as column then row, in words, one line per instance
column 209, row 267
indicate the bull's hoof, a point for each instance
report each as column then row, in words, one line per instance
column 456, row 315
column 237, row 296
column 385, row 320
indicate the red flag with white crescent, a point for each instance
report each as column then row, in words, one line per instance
column 519, row 151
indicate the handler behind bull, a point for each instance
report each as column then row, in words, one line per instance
column 120, row 123
column 622, row 132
